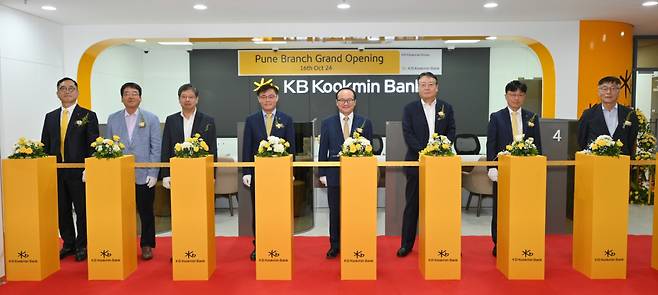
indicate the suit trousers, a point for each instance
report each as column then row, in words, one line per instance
column 72, row 192
column 144, row 197
column 410, row 217
column 333, row 198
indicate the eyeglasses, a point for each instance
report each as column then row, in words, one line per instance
column 267, row 97
column 606, row 89
column 515, row 95
column 426, row 85
column 345, row 101
column 67, row 89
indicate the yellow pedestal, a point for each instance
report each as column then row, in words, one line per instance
column 274, row 219
column 358, row 218
column 654, row 240
column 192, row 218
column 30, row 218
column 439, row 221
column 521, row 217
column 111, row 237
column 600, row 218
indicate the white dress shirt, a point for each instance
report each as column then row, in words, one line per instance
column 611, row 119
column 430, row 116
column 131, row 120
column 187, row 124
column 519, row 119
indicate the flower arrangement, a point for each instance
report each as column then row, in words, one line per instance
column 356, row 146
column 273, row 147
column 28, row 149
column 438, row 145
column 193, row 147
column 604, row 145
column 641, row 176
column 105, row 148
column 521, row 147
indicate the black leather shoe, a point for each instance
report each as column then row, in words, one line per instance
column 493, row 252
column 81, row 254
column 332, row 253
column 147, row 253
column 66, row 252
column 253, row 255
column 402, row 252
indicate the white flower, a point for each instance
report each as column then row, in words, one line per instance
column 530, row 124
column 530, row 140
column 349, row 141
column 99, row 148
column 78, row 122
column 279, row 148
column 627, row 123
column 273, row 139
column 116, row 148
column 186, row 145
column 441, row 114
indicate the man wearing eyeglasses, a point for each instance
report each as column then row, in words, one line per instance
column 335, row 129
column 421, row 118
column 68, row 133
column 609, row 118
column 258, row 126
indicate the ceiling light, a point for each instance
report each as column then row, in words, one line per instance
column 257, row 39
column 175, row 43
column 650, row 3
column 49, row 7
column 491, row 38
column 140, row 40
column 343, row 5
column 462, row 41
column 200, row 7
column 270, row 42
column 490, row 5
column 373, row 39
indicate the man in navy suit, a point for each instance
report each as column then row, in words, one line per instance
column 335, row 129
column 258, row 126
column 68, row 133
column 609, row 118
column 420, row 120
column 185, row 124
column 139, row 130
column 503, row 126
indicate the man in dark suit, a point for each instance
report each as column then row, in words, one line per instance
column 609, row 118
column 421, row 119
column 258, row 126
column 335, row 129
column 68, row 133
column 504, row 125
column 185, row 124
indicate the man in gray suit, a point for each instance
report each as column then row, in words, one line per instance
column 139, row 130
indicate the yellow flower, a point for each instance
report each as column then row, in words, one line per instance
column 260, row 149
column 93, row 144
column 352, row 148
column 595, row 146
column 445, row 146
column 521, row 145
column 110, row 142
column 287, row 144
column 21, row 141
column 368, row 148
column 178, row 147
column 188, row 140
column 508, row 147
column 197, row 135
column 619, row 143
column 28, row 151
column 600, row 142
column 358, row 146
column 196, row 149
column 122, row 146
column 99, row 139
column 204, row 145
column 267, row 145
column 40, row 144
column 115, row 137
column 356, row 135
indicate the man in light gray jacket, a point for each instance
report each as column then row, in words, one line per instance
column 139, row 131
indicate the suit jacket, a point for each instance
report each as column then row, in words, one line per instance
column 173, row 133
column 331, row 141
column 499, row 131
column 82, row 130
column 254, row 132
column 592, row 124
column 146, row 141
column 416, row 131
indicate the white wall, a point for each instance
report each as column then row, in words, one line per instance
column 507, row 64
column 160, row 73
column 643, row 94
column 31, row 62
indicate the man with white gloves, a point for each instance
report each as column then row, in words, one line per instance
column 504, row 126
column 139, row 131
column 335, row 129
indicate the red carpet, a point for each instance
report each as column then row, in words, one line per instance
column 315, row 275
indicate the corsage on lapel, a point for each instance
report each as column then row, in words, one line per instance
column 83, row 121
column 142, row 122
column 441, row 114
column 360, row 128
column 627, row 121
column 277, row 123
column 531, row 122
column 207, row 128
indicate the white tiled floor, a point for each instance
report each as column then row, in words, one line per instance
column 639, row 222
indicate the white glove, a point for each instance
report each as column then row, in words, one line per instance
column 493, row 174
column 84, row 179
column 166, row 182
column 150, row 181
column 323, row 180
column 246, row 180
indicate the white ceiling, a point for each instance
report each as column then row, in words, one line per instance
column 86, row 12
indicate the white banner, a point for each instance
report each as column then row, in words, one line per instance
column 416, row 61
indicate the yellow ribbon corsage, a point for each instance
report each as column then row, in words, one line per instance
column 263, row 83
